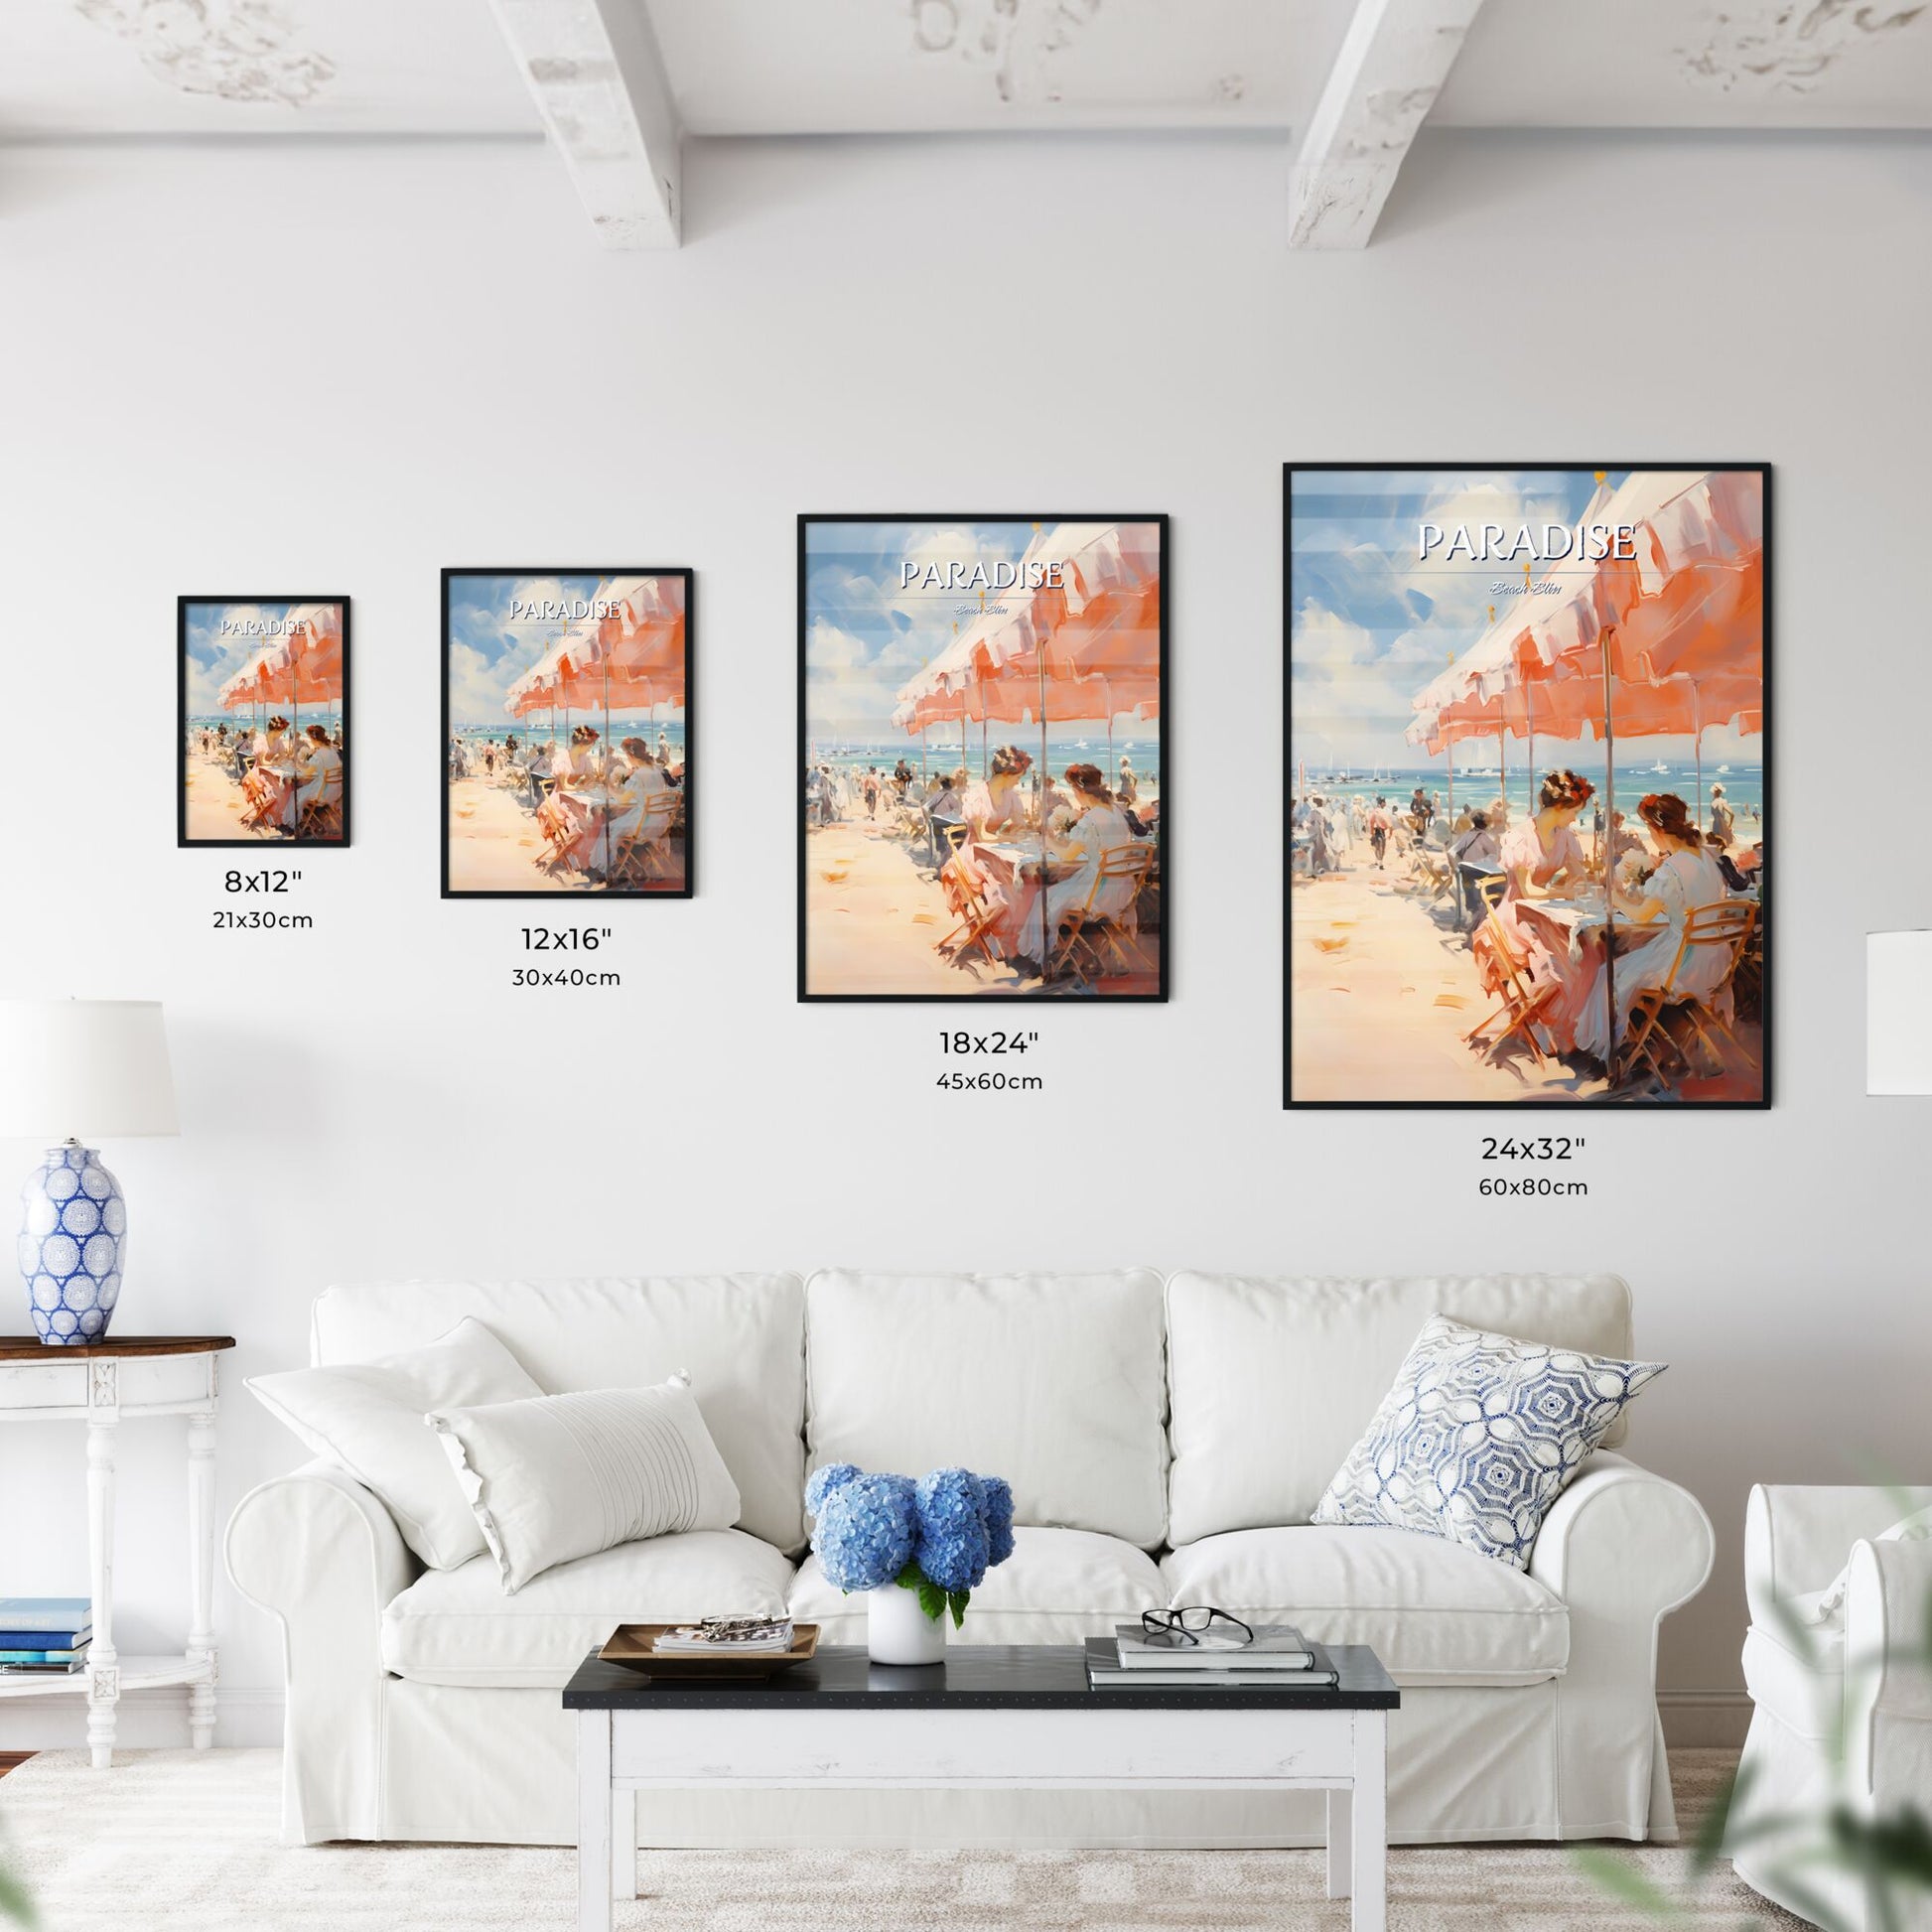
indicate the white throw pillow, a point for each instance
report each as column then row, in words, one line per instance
column 367, row 1418
column 559, row 1476
column 1830, row 1603
column 1479, row 1435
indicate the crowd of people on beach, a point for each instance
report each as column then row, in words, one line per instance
column 996, row 842
column 1528, row 892
column 292, row 781
column 605, row 813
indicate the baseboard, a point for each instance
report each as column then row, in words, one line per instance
column 1704, row 1718
column 147, row 1720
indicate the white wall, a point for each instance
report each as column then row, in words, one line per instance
column 237, row 369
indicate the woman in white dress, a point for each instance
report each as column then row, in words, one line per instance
column 319, row 758
column 1101, row 826
column 1685, row 877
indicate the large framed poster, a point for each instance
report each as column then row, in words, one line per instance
column 568, row 709
column 1528, row 782
column 982, row 710
column 261, row 721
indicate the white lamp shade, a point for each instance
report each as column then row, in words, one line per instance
column 1898, row 1013
column 91, row 1069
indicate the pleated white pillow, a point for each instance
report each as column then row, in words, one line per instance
column 559, row 1476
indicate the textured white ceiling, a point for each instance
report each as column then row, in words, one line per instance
column 769, row 66
column 1816, row 63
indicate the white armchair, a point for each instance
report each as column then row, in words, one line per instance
column 1843, row 1707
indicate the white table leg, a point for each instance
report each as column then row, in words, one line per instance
column 594, row 1821
column 104, row 1671
column 1340, row 1836
column 201, row 1552
column 1370, row 1911
column 623, row 1844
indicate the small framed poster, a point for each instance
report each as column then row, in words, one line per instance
column 986, row 796
column 262, row 721
column 1528, row 787
column 568, row 708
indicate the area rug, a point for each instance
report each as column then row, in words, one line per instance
column 180, row 1840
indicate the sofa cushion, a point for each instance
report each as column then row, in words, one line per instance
column 366, row 1418
column 1058, row 1587
column 1800, row 1680
column 740, row 1337
column 1435, row 1612
column 1272, row 1381
column 456, row 1627
column 1056, row 1382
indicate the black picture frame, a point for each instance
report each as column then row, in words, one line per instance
column 598, row 895
column 1767, row 922
column 807, row 520
column 183, row 604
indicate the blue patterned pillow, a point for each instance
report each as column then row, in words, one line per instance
column 1478, row 1436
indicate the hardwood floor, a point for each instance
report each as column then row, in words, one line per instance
column 8, row 1759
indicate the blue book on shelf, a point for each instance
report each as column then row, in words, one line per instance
column 64, row 1614
column 46, row 1639
column 43, row 1656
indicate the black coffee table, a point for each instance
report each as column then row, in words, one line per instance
column 1018, row 1716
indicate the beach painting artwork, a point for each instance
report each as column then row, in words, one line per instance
column 567, row 720
column 982, row 708
column 1528, row 780
column 263, row 720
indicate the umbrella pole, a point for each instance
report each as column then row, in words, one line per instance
column 607, row 771
column 1045, row 955
column 295, row 727
column 1610, row 851
column 1697, row 740
column 1529, row 787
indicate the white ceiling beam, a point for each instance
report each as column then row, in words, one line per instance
column 598, row 81
column 1393, row 62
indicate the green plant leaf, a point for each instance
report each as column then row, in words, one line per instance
column 933, row 1599
column 911, row 1577
column 1622, row 1878
column 957, row 1603
column 13, row 1901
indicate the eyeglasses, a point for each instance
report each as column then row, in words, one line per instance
column 1182, row 1628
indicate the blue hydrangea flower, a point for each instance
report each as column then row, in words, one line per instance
column 866, row 1530
column 996, row 1495
column 834, row 1475
column 953, row 1548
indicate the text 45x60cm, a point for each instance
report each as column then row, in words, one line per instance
column 990, row 1082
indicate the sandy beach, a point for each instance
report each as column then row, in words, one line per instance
column 1384, row 985
column 496, row 846
column 215, row 804
column 876, row 917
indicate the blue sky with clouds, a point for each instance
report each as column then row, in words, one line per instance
column 1371, row 624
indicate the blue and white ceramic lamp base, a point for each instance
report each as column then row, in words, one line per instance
column 72, row 1237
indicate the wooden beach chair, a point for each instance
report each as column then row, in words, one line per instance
column 640, row 852
column 978, row 916
column 1103, row 940
column 1522, row 997
column 322, row 816
column 1727, row 923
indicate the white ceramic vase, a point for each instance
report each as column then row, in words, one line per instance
column 897, row 1631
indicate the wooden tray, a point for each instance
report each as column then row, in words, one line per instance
column 630, row 1645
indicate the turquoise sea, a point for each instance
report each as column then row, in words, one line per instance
column 1478, row 781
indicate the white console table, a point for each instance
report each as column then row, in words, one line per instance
column 103, row 1384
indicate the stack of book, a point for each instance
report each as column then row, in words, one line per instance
column 45, row 1633
column 738, row 1636
column 1278, row 1657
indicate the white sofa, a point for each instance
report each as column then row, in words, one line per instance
column 1822, row 1734
column 1166, row 1444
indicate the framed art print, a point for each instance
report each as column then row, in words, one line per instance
column 1528, row 783
column 262, row 721
column 982, row 718
column 567, row 731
